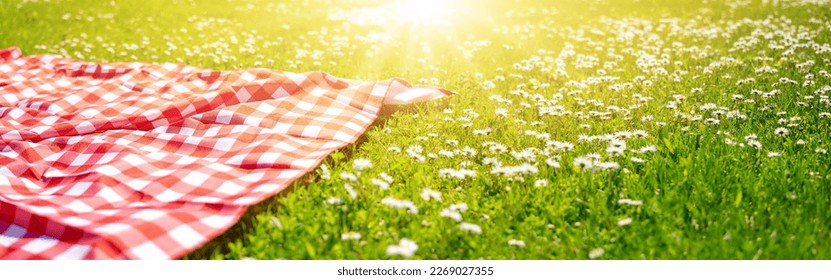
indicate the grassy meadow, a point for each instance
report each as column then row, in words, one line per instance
column 592, row 129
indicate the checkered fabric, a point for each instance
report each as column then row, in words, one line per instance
column 150, row 161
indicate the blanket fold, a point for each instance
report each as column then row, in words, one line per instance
column 150, row 161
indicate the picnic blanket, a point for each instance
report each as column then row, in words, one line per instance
column 150, row 161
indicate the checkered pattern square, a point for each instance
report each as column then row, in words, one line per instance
column 150, row 161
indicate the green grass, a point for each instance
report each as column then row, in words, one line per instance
column 704, row 192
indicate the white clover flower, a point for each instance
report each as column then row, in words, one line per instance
column 405, row 248
column 617, row 143
column 414, row 151
column 624, row 222
column 615, row 151
column 491, row 161
column 346, row 176
column 559, row 145
column 528, row 154
column 541, row 183
column 646, row 149
column 458, row 174
column 400, row 204
column 498, row 148
column 452, row 214
column 461, row 207
column 517, row 243
column 325, row 174
column 640, row 133
column 446, row 153
column 427, row 194
column 350, row 236
column 334, row 200
column 488, row 85
column 626, row 201
column 502, row 112
column 596, row 253
column 773, row 154
column 708, row 107
column 380, row 183
column 352, row 193
column 511, row 171
column 470, row 227
column 385, row 177
column 552, row 162
column 468, row 151
column 607, row 165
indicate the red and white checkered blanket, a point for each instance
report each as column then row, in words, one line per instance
column 150, row 161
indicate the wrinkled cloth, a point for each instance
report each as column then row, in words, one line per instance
column 151, row 161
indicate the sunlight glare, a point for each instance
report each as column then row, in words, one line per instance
column 422, row 11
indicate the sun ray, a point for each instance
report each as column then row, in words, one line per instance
column 423, row 12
